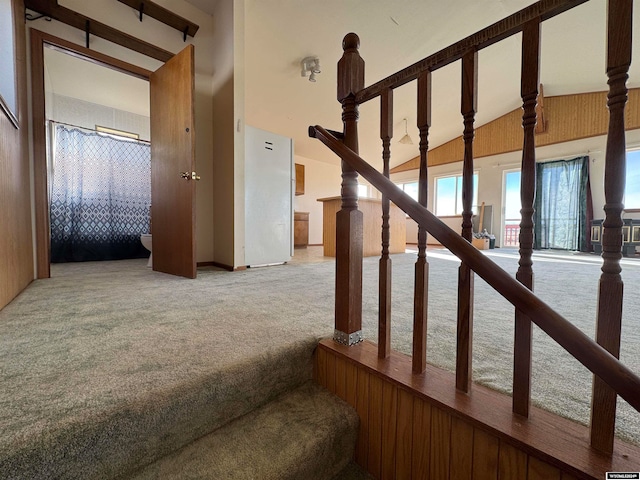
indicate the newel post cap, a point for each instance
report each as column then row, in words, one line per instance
column 350, row 68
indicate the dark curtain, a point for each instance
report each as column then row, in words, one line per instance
column 100, row 196
column 563, row 209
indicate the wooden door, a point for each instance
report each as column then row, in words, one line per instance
column 172, row 163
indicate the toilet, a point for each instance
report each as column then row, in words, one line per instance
column 145, row 238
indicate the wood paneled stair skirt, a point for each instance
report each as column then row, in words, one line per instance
column 419, row 427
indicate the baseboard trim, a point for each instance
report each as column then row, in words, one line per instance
column 205, row 264
column 229, row 268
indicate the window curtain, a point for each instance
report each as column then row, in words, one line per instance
column 100, row 196
column 563, row 206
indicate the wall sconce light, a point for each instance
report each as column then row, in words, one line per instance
column 310, row 65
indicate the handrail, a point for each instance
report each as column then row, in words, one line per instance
column 598, row 360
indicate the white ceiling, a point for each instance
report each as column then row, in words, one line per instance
column 394, row 34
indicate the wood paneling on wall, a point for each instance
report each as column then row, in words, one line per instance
column 567, row 117
column 418, row 426
column 371, row 209
column 16, row 247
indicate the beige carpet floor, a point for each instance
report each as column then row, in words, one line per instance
column 82, row 340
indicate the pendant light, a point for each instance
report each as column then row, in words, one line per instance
column 406, row 139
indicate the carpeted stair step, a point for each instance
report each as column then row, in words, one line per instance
column 149, row 423
column 353, row 471
column 307, row 433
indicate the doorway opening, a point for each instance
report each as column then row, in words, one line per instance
column 98, row 160
column 41, row 44
column 172, row 130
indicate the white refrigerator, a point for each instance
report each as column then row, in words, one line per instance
column 269, row 189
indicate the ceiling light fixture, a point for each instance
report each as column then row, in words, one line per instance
column 310, row 65
column 406, row 139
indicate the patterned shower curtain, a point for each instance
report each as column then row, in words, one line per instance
column 100, row 196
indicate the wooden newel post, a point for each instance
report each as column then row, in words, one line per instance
column 348, row 326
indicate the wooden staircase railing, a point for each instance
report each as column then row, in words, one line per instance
column 611, row 378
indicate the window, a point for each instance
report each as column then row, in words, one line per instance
column 363, row 190
column 117, row 133
column 632, row 185
column 448, row 197
column 511, row 200
column 410, row 188
column 511, row 208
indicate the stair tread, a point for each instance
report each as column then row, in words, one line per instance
column 306, row 433
column 353, row 471
column 133, row 432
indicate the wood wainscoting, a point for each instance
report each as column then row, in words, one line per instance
column 420, row 427
column 16, row 243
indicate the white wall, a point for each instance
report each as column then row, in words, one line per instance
column 126, row 20
column 239, row 120
column 86, row 114
column 223, row 133
column 321, row 180
column 491, row 169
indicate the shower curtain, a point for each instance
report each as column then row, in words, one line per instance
column 100, row 196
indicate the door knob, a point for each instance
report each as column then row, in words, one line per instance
column 189, row 176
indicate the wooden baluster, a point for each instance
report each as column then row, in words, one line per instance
column 348, row 321
column 420, row 300
column 609, row 320
column 523, row 326
column 465, row 274
column 384, row 284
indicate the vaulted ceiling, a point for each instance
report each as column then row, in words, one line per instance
column 394, row 34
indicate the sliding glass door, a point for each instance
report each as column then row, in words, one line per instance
column 511, row 208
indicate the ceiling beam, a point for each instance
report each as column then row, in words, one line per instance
column 50, row 8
